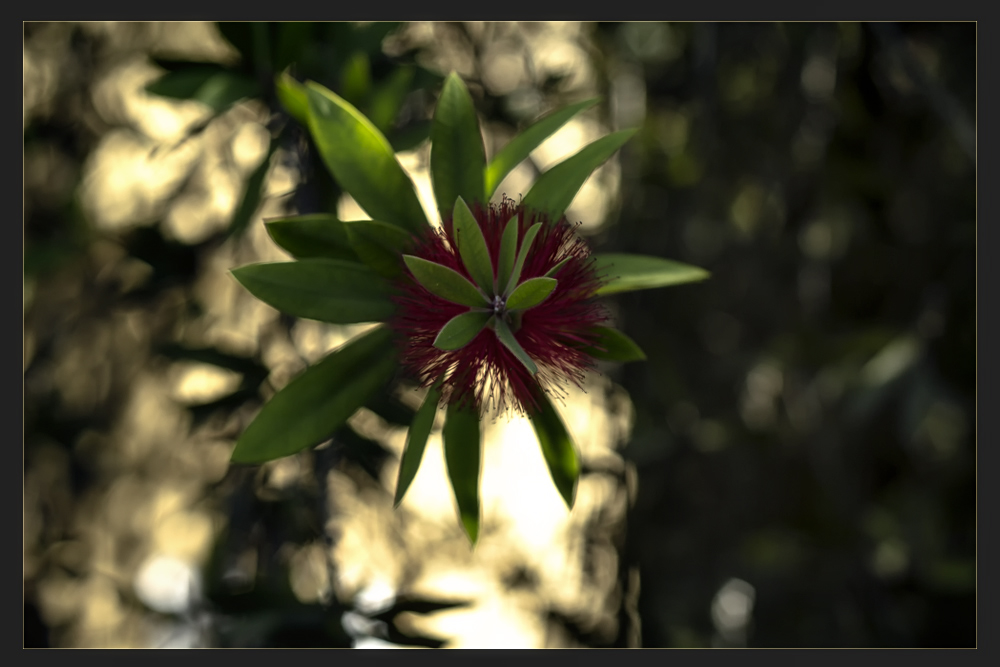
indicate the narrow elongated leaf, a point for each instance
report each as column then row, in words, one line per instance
column 557, row 449
column 444, row 282
column 252, row 193
column 312, row 406
column 515, row 274
column 462, row 457
column 416, row 441
column 362, row 161
column 520, row 147
column 555, row 269
column 613, row 345
column 530, row 293
column 472, row 246
column 329, row 290
column 292, row 96
column 457, row 155
column 388, row 98
column 508, row 252
column 379, row 245
column 554, row 190
column 506, row 337
column 217, row 88
column 313, row 235
column 461, row 329
column 626, row 273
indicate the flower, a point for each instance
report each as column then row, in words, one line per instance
column 553, row 334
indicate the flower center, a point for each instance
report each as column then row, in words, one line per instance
column 499, row 305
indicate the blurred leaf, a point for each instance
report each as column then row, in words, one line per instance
column 215, row 87
column 329, row 290
column 554, row 190
column 314, row 235
column 613, row 345
column 507, row 254
column 530, row 293
column 356, row 79
column 457, row 155
column 292, row 96
column 472, row 246
column 379, row 245
column 461, row 329
column 462, row 456
column 626, row 273
column 312, row 406
column 557, row 449
column 416, row 441
column 506, row 337
column 390, row 408
column 252, row 193
column 520, row 147
column 388, row 98
column 412, row 135
column 362, row 161
column 515, row 274
column 444, row 282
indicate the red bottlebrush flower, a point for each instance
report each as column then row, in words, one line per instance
column 485, row 372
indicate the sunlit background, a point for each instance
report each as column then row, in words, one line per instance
column 793, row 466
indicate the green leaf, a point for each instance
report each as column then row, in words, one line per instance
column 613, row 345
column 315, row 404
column 462, row 456
column 506, row 337
column 379, row 245
column 444, row 282
column 362, row 161
column 388, row 98
column 292, row 96
column 626, row 273
column 472, row 246
column 508, row 251
column 457, row 155
column 557, row 449
column 329, row 290
column 356, row 79
column 213, row 86
column 314, row 235
column 515, row 274
column 252, row 193
column 554, row 190
column 461, row 329
column 530, row 293
column 520, row 147
column 555, row 269
column 416, row 441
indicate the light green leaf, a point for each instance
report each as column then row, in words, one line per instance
column 444, row 282
column 554, row 190
column 520, row 147
column 379, row 245
column 613, row 345
column 506, row 337
column 362, row 161
column 557, row 449
column 313, row 235
column 461, row 329
column 462, row 457
column 472, row 246
column 292, row 96
column 416, row 441
column 530, row 293
column 515, row 274
column 626, row 273
column 508, row 251
column 329, row 290
column 311, row 407
column 457, row 155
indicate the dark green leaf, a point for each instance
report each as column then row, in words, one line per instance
column 508, row 251
column 356, row 79
column 613, row 345
column 626, row 273
column 312, row 406
column 506, row 337
column 530, row 293
column 557, row 449
column 515, row 274
column 520, row 147
column 314, row 235
column 252, row 193
column 416, row 441
column 444, row 282
column 555, row 269
column 329, row 290
column 410, row 136
column 472, row 246
column 388, row 98
column 218, row 89
column 461, row 329
column 379, row 245
column 362, row 161
column 462, row 456
column 457, row 155
column 554, row 190
column 292, row 96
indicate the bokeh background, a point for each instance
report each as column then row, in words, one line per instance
column 794, row 465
